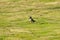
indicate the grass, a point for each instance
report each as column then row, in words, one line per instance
column 15, row 24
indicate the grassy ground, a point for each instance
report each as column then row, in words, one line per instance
column 15, row 24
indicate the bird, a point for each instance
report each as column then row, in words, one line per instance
column 31, row 19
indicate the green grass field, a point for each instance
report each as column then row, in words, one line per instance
column 15, row 24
